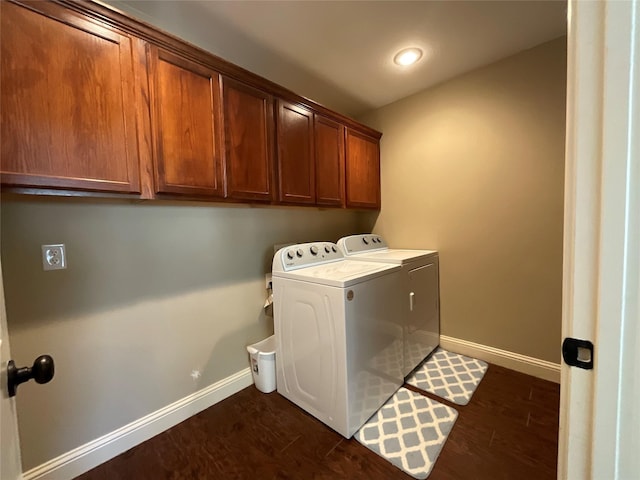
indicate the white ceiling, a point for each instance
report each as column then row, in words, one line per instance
column 339, row 53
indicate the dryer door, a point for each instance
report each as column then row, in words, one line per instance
column 423, row 329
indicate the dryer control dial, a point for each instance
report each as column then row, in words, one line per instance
column 313, row 250
column 299, row 252
column 290, row 254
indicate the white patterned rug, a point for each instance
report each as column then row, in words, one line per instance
column 451, row 376
column 409, row 431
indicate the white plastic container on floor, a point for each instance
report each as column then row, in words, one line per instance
column 263, row 364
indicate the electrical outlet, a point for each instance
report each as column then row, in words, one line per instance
column 54, row 257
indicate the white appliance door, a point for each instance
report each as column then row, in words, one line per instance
column 423, row 327
column 310, row 355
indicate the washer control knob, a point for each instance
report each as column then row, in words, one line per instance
column 299, row 252
column 313, row 250
column 334, row 249
column 365, row 240
column 327, row 249
column 290, row 254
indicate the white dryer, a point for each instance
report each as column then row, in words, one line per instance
column 421, row 285
column 338, row 339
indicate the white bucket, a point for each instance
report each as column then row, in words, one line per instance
column 263, row 364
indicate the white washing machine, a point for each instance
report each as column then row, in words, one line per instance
column 421, row 285
column 339, row 344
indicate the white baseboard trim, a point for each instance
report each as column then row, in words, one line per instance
column 92, row 454
column 514, row 361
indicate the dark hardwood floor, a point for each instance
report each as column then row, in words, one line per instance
column 509, row 430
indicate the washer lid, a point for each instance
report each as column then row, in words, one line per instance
column 339, row 274
column 397, row 257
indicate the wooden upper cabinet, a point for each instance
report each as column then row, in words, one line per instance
column 363, row 170
column 68, row 108
column 186, row 125
column 329, row 161
column 93, row 102
column 310, row 157
column 248, row 140
column 296, row 169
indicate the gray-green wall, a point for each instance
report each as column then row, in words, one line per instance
column 152, row 292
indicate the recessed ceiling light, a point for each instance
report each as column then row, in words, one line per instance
column 408, row 56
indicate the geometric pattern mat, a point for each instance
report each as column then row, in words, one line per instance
column 451, row 376
column 409, row 431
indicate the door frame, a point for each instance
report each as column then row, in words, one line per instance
column 599, row 408
column 10, row 463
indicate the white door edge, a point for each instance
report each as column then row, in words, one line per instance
column 10, row 464
column 602, row 241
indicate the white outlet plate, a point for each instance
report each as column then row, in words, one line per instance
column 54, row 257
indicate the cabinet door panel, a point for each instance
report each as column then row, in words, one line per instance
column 185, row 119
column 248, row 139
column 296, row 169
column 329, row 150
column 67, row 102
column 363, row 171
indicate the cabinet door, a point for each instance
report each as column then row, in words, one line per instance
column 68, row 113
column 329, row 150
column 185, row 119
column 296, row 171
column 363, row 170
column 248, row 139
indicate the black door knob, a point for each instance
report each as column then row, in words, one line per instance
column 42, row 372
